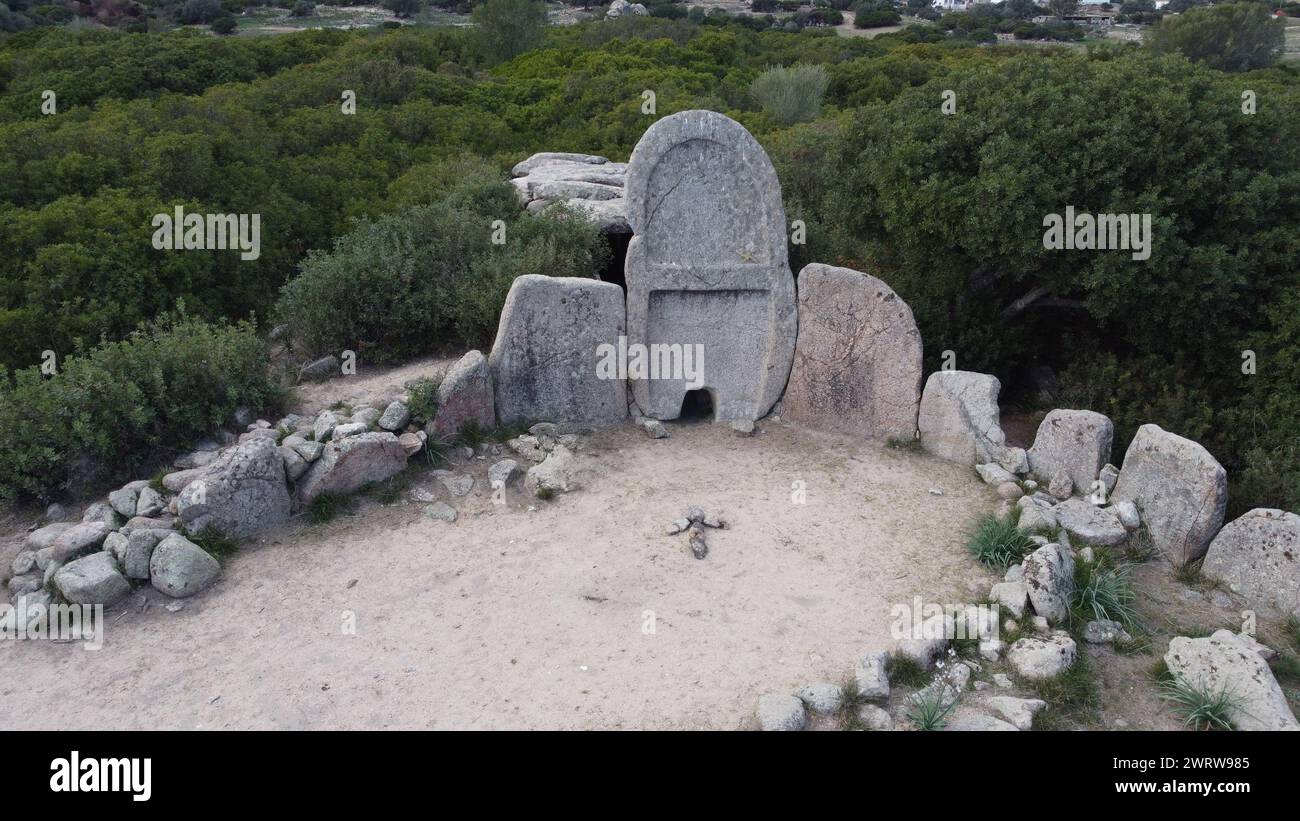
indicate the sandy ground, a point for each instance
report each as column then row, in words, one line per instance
column 538, row 618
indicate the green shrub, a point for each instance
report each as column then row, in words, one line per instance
column 422, row 400
column 430, row 276
column 1103, row 592
column 999, row 543
column 112, row 408
column 791, row 94
column 1200, row 707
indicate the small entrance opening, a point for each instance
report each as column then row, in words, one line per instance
column 697, row 406
column 613, row 270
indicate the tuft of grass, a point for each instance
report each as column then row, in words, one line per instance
column 1136, row 646
column 999, row 544
column 218, row 545
column 1138, row 547
column 1286, row 667
column 327, row 507
column 422, row 399
column 1073, row 695
column 1292, row 632
column 930, row 710
column 545, row 494
column 912, row 445
column 1192, row 575
column 905, row 671
column 851, row 700
column 1201, row 707
column 391, row 490
column 1160, row 672
column 1103, row 592
column 472, row 435
column 156, row 481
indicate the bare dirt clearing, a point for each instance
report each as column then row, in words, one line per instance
column 511, row 618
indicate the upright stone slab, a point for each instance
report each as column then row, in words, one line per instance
column 549, row 345
column 1075, row 441
column 1181, row 490
column 959, row 418
column 857, row 359
column 1258, row 556
column 707, row 265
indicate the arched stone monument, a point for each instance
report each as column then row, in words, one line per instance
column 707, row 266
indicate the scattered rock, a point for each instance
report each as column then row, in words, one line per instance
column 441, row 511
column 465, row 397
column 1180, row 489
column 150, row 503
column 1105, row 631
column 1061, row 485
column 395, row 418
column 347, row 429
column 929, row 640
column 1010, row 491
column 781, row 712
column 1127, row 513
column 994, row 474
column 1049, row 577
column 180, row 568
column 72, row 542
column 1015, row 460
column 1108, row 476
column 1042, row 658
column 93, row 579
column 978, row 723
column 1036, row 518
column 503, row 473
column 699, row 547
column 871, row 675
column 554, row 475
column 345, row 467
column 457, row 484
column 123, row 500
column 821, row 697
column 1258, row 556
column 1224, row 663
column 655, row 429
column 45, row 536
column 242, row 493
column 1082, row 519
column 1074, row 442
column 1019, row 712
column 138, row 552
column 874, row 718
column 323, row 428
column 324, row 368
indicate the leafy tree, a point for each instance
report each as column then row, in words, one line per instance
column 1235, row 37
column 200, row 11
column 224, row 25
column 508, row 28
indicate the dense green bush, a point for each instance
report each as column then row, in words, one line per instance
column 1231, row 37
column 430, row 276
column 110, row 409
column 791, row 94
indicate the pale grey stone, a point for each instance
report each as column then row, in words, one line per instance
column 1049, row 577
column 347, row 429
column 396, row 417
column 324, row 368
column 875, row 718
column 528, row 447
column 139, row 551
column 1105, row 631
column 45, row 536
column 1012, row 596
column 1009, row 491
column 857, row 357
column 101, row 513
column 1223, row 663
column 1108, row 475
column 309, row 451
column 115, row 544
column 871, row 676
column 781, row 712
column 1017, row 711
column 978, row 723
column 1015, row 460
column 179, row 480
column 1002, row 680
column 1084, row 520
column 1258, row 556
column 23, row 563
column 959, row 417
column 1061, row 485
column 92, row 579
column 528, row 166
column 1128, row 514
column 123, row 500
column 929, row 639
column 555, row 474
column 708, row 264
column 1038, row 658
column 994, row 474
column 821, row 697
column 457, row 484
column 545, row 363
column 150, row 503
column 992, row 649
column 365, row 416
column 324, row 426
column 1077, row 442
column 180, row 568
column 345, row 467
column 294, row 465
column 655, row 429
column 1179, row 488
column 1036, row 517
column 502, row 473
column 465, row 396
column 75, row 541
column 440, row 511
column 240, row 494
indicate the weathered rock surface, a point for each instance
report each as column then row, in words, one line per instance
column 1035, row 657
column 465, row 396
column 1258, row 556
column 929, row 639
column 73, row 542
column 1224, row 663
column 1075, row 441
column 180, row 568
column 959, row 417
column 587, row 184
column 397, row 416
column 555, row 474
column 1019, row 712
column 1049, row 578
column 781, row 713
column 92, row 579
column 344, row 467
column 822, row 697
column 243, row 492
column 708, row 265
column 857, row 357
column 1012, row 596
column 544, row 363
column 1097, row 525
column 1179, row 488
column 870, row 674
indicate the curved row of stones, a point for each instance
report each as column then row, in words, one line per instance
column 707, row 266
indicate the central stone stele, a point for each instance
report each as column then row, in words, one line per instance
column 707, row 265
